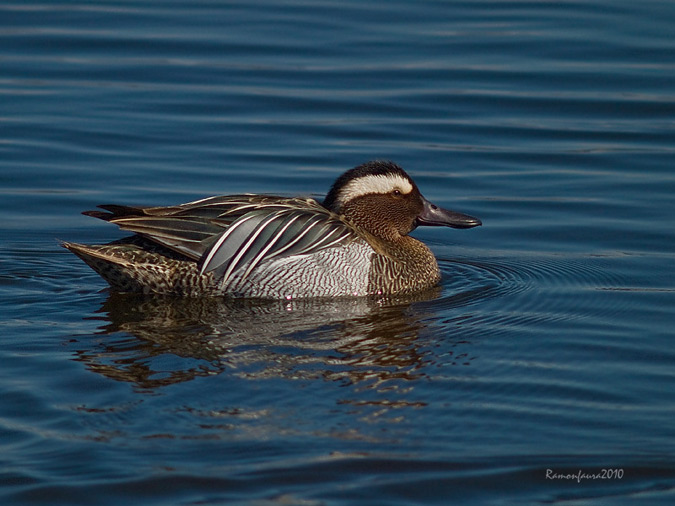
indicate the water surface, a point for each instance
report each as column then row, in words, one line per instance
column 546, row 354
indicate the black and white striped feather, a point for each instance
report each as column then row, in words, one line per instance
column 228, row 234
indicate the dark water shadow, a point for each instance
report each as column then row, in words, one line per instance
column 155, row 341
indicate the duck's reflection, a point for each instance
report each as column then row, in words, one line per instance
column 156, row 341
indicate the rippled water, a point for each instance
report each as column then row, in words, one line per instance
column 546, row 355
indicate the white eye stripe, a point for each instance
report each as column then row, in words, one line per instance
column 373, row 183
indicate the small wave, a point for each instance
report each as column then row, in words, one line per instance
column 529, row 289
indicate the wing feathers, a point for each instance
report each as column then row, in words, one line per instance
column 228, row 243
column 280, row 233
column 229, row 233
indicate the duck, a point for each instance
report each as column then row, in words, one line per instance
column 354, row 243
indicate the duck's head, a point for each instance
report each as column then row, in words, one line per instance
column 381, row 198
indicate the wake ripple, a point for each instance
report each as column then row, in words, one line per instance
column 528, row 289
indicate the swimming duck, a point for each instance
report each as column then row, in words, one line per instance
column 355, row 243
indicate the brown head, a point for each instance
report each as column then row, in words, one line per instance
column 381, row 198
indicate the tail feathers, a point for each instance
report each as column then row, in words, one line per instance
column 119, row 273
column 101, row 215
column 128, row 268
column 112, row 212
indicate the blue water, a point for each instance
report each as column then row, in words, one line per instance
column 546, row 355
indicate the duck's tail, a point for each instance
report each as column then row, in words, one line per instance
column 129, row 268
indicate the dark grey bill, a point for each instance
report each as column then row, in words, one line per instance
column 433, row 215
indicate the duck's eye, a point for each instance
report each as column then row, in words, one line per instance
column 396, row 193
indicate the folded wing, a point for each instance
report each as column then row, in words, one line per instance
column 226, row 234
